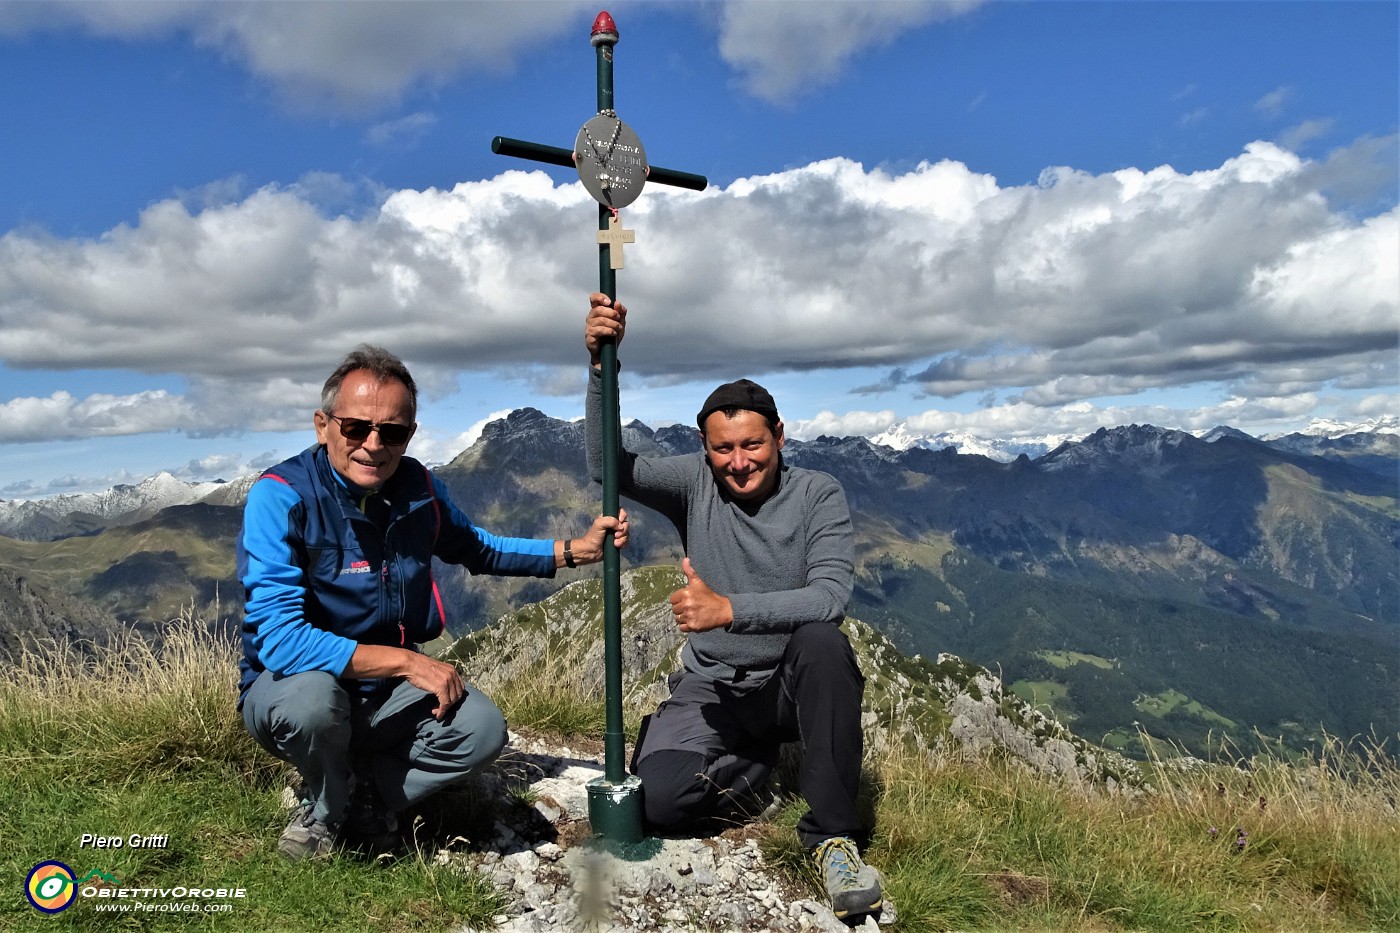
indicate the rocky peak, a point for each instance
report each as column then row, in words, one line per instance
column 522, row 421
column 1222, row 431
column 854, row 460
column 525, row 437
column 679, row 439
column 1129, row 446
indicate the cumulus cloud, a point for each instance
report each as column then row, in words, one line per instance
column 367, row 54
column 349, row 55
column 215, row 466
column 1076, row 287
column 62, row 416
column 781, row 48
column 1361, row 176
column 1022, row 422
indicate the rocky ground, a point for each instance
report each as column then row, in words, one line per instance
column 558, row 877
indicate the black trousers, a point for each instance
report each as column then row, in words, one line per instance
column 708, row 751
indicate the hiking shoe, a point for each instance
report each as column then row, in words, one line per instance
column 853, row 886
column 305, row 836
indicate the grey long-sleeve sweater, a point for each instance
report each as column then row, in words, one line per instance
column 783, row 562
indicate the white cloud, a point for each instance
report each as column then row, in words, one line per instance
column 348, row 55
column 1296, row 137
column 1076, row 287
column 783, row 48
column 1360, row 176
column 404, row 133
column 224, row 466
column 62, row 416
column 1024, row 422
column 1192, row 117
column 367, row 54
column 1272, row 103
column 845, row 424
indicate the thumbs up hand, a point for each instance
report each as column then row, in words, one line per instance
column 696, row 606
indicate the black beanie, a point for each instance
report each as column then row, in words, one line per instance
column 744, row 394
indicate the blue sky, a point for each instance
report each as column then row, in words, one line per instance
column 998, row 220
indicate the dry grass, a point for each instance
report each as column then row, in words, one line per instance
column 131, row 738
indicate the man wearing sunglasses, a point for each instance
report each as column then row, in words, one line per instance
column 336, row 561
column 769, row 569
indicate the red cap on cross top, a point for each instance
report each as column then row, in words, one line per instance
column 604, row 24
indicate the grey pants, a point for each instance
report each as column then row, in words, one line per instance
column 332, row 735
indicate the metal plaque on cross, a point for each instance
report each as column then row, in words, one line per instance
column 611, row 162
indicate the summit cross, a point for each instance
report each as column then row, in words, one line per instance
column 612, row 166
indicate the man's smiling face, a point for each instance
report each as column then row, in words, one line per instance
column 743, row 453
column 366, row 463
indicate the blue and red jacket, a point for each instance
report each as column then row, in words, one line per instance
column 321, row 577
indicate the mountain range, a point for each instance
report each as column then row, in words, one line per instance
column 1139, row 580
column 1376, row 443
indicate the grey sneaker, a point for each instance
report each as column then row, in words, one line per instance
column 854, row 887
column 305, row 836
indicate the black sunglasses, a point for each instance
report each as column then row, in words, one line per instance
column 357, row 429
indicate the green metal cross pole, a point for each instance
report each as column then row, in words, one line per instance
column 612, row 166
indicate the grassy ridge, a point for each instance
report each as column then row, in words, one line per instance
column 133, row 742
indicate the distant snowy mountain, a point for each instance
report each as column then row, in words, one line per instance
column 899, row 437
column 1321, row 427
column 1377, row 435
column 1373, row 445
column 60, row 516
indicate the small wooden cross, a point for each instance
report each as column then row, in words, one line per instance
column 614, row 237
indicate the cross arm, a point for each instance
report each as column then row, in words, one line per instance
column 554, row 155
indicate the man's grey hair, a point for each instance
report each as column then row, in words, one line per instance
column 379, row 363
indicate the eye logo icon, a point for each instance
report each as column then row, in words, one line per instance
column 50, row 887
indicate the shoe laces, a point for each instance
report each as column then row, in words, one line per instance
column 840, row 860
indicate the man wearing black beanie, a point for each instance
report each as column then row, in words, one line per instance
column 769, row 568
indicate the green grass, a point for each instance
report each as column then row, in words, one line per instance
column 1066, row 658
column 1161, row 704
column 1043, row 694
column 132, row 743
column 138, row 743
column 983, row 845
